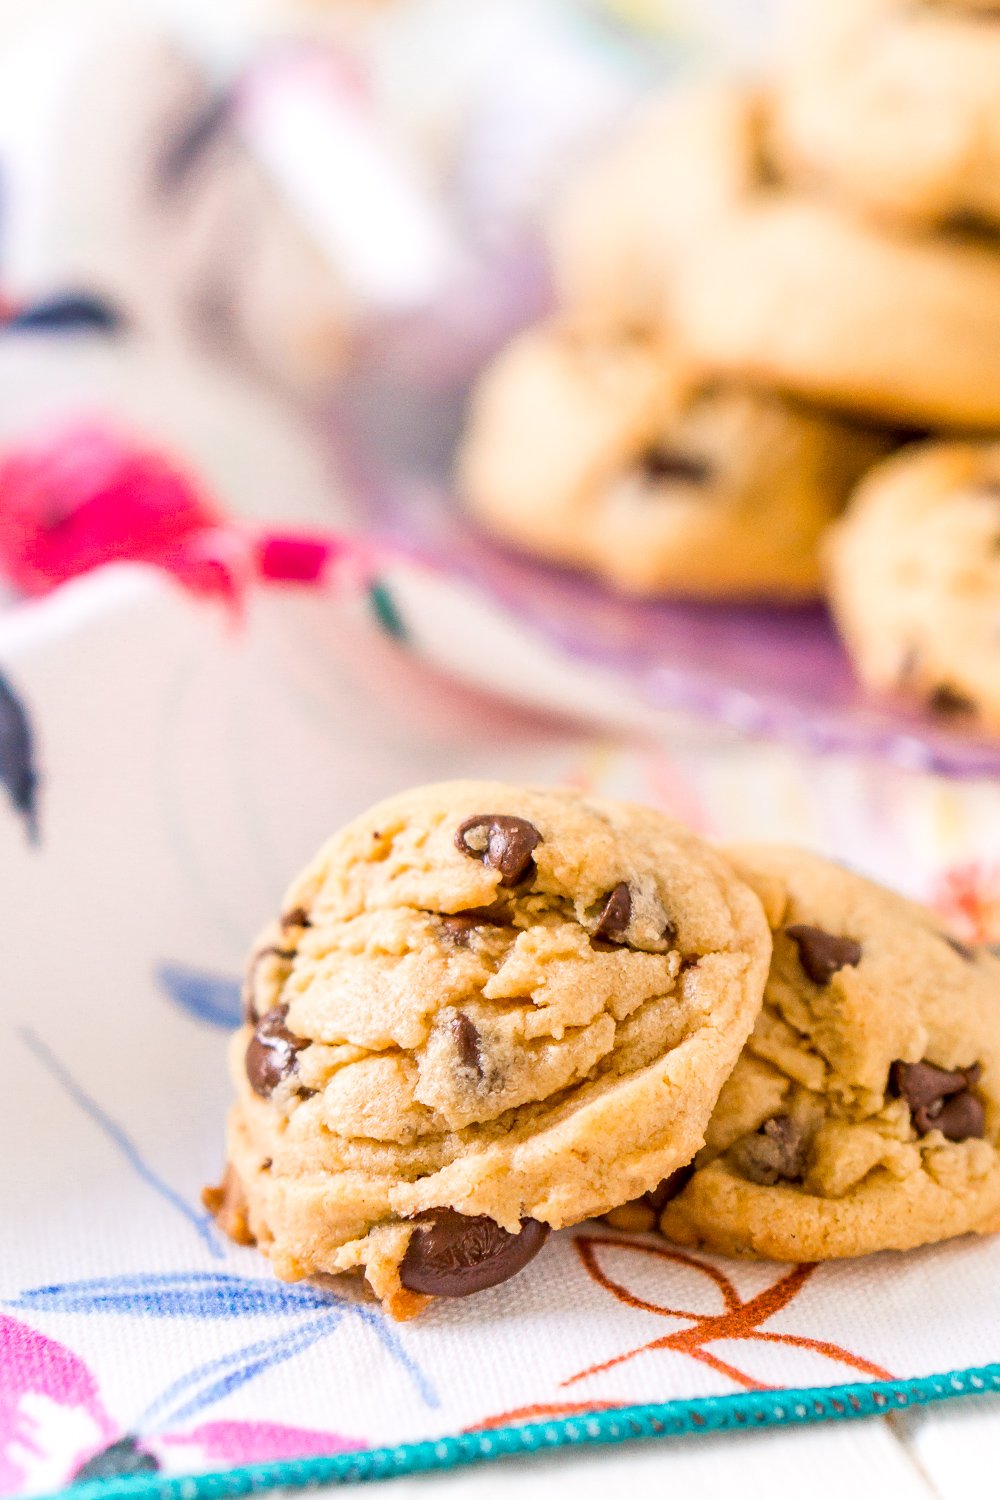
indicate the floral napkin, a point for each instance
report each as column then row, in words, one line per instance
column 165, row 771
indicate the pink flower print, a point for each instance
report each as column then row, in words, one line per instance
column 51, row 1416
column 260, row 1442
column 84, row 495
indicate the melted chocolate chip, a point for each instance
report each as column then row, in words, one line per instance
column 616, row 914
column 502, row 843
column 960, row 1118
column 456, row 1254
column 249, row 1001
column 459, row 926
column 272, row 1052
column 940, row 1098
column 669, row 1188
column 458, row 930
column 495, row 915
column 962, row 949
column 660, row 464
column 948, row 700
column 777, row 1153
column 467, row 1042
column 821, row 954
column 297, row 917
column 923, row 1083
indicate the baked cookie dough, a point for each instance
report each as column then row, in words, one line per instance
column 795, row 294
column 687, row 229
column 896, row 107
column 486, row 1011
column 834, row 309
column 914, row 573
column 629, row 213
column 600, row 453
column 864, row 1112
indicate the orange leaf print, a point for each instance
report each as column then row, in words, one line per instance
column 738, row 1320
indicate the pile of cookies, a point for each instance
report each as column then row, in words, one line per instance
column 488, row 1011
column 774, row 301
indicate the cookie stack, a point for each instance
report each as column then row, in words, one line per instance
column 761, row 291
column 487, row 1011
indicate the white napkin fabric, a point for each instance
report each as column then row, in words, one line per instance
column 167, row 771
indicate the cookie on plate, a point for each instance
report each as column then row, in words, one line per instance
column 793, row 293
column 626, row 216
column 914, row 570
column 687, row 228
column 602, row 453
column 896, row 107
column 864, row 1113
column 486, row 1011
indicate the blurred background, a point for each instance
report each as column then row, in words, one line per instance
column 322, row 203
column 255, row 256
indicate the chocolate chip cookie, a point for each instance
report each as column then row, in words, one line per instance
column 795, row 294
column 661, row 183
column 914, row 570
column 691, row 229
column 600, row 452
column 864, row 1112
column 895, row 106
column 485, row 1012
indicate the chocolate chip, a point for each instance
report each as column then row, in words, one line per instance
column 297, row 917
column 459, row 926
column 962, row 949
column 249, row 999
column 821, row 954
column 960, row 1118
column 467, row 1042
column 457, row 930
column 502, row 843
column 272, row 1052
column 948, row 700
column 669, row 1188
column 940, row 1098
column 777, row 1153
column 923, row 1083
column 497, row 914
column 661, row 463
column 612, row 924
column 456, row 1254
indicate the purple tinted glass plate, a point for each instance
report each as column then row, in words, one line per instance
column 778, row 672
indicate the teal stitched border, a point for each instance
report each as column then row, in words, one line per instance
column 783, row 1408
